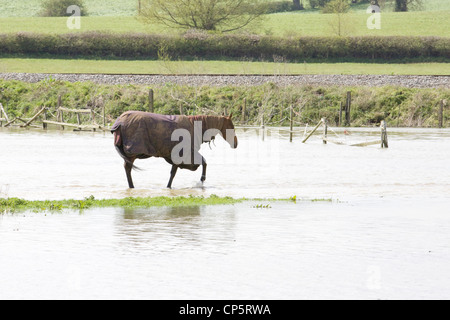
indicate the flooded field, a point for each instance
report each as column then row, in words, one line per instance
column 380, row 231
column 58, row 165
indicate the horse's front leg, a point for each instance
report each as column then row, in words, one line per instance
column 203, row 178
column 172, row 175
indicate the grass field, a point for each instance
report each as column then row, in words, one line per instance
column 281, row 24
column 29, row 8
column 214, row 67
column 120, row 17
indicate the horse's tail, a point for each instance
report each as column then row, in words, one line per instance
column 118, row 144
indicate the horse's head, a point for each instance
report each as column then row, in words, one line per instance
column 228, row 132
column 214, row 125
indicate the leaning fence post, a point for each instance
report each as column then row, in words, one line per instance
column 291, row 121
column 384, row 139
column 313, row 130
column 4, row 112
column 325, row 130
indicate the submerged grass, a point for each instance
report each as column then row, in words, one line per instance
column 12, row 205
column 16, row 204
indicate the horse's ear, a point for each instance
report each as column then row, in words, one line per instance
column 230, row 116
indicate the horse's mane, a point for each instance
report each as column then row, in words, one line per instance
column 208, row 122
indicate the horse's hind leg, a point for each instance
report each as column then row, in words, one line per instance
column 203, row 178
column 172, row 175
column 128, row 166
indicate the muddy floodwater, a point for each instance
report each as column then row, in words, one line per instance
column 368, row 223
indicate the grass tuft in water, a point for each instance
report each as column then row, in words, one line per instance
column 16, row 204
column 11, row 205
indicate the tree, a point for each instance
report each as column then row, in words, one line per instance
column 404, row 5
column 339, row 8
column 218, row 15
column 58, row 8
column 318, row 3
column 401, row 5
column 297, row 5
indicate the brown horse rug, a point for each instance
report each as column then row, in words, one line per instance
column 176, row 138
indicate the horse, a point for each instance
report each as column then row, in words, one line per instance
column 141, row 135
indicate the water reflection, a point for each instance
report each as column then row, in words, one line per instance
column 160, row 230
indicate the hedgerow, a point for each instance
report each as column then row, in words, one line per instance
column 214, row 46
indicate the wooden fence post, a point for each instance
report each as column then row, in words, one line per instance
column 347, row 109
column 340, row 114
column 441, row 114
column 44, row 125
column 61, row 113
column 150, row 101
column 291, row 121
column 384, row 139
column 262, row 127
column 325, row 130
column 181, row 109
column 243, row 110
column 104, row 116
column 33, row 118
column 281, row 113
column 93, row 118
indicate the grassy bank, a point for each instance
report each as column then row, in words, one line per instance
column 399, row 106
column 15, row 204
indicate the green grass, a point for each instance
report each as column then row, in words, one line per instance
column 281, row 24
column 392, row 23
column 16, row 204
column 30, row 8
column 58, row 25
column 12, row 205
column 214, row 67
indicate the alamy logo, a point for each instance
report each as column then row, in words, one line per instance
column 374, row 21
column 74, row 21
column 182, row 152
